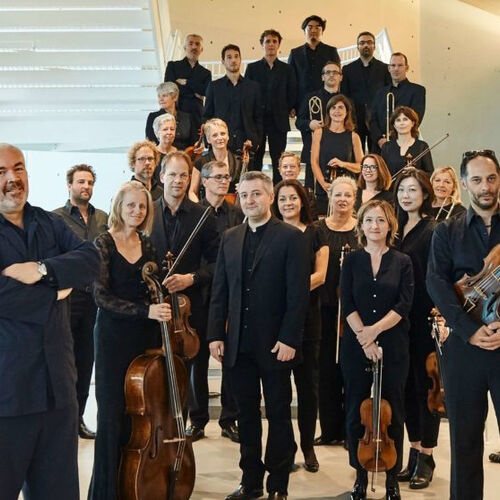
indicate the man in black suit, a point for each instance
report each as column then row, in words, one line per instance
column 175, row 217
column 41, row 260
column 278, row 89
column 362, row 79
column 260, row 291
column 191, row 77
column 405, row 93
column 308, row 59
column 237, row 101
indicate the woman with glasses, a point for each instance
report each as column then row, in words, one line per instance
column 217, row 135
column 374, row 181
column 446, row 202
column 336, row 149
column 291, row 205
column 404, row 144
column 416, row 227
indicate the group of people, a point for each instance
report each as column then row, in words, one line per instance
column 369, row 246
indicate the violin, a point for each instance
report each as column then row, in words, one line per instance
column 158, row 461
column 480, row 294
column 245, row 160
column 434, row 368
column 340, row 319
column 376, row 450
column 185, row 340
column 194, row 152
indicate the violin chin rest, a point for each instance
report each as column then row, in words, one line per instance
column 490, row 309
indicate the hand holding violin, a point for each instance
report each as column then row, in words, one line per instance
column 160, row 312
column 487, row 337
column 178, row 282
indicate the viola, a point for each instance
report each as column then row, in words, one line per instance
column 185, row 340
column 480, row 293
column 434, row 368
column 232, row 198
column 195, row 151
column 158, row 461
column 376, row 450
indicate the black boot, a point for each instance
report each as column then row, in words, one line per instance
column 407, row 473
column 358, row 491
column 392, row 492
column 423, row 472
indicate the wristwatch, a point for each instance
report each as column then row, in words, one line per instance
column 42, row 269
column 195, row 278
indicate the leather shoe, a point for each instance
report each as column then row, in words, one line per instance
column 84, row 432
column 392, row 492
column 294, row 468
column 407, row 473
column 495, row 457
column 423, row 473
column 276, row 496
column 196, row 433
column 321, row 441
column 358, row 491
column 311, row 463
column 244, row 493
column 231, row 431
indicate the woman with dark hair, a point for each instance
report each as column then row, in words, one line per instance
column 291, row 205
column 404, row 144
column 414, row 207
column 336, row 149
column 374, row 181
column 376, row 286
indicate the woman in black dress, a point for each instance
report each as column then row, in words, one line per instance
column 446, row 202
column 404, row 144
column 374, row 181
column 416, row 226
column 336, row 149
column 291, row 205
column 376, row 286
column 164, row 128
column 124, row 326
column 338, row 230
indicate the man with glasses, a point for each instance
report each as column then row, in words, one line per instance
column 471, row 353
column 362, row 79
column 175, row 217
column 308, row 59
column 142, row 160
column 312, row 112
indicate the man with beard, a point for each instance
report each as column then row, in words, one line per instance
column 311, row 118
column 142, row 159
column 471, row 353
column 191, row 77
column 87, row 222
column 362, row 79
column 41, row 260
column 237, row 101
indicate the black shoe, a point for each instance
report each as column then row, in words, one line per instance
column 407, row 473
column 423, row 472
column 244, row 493
column 294, row 468
column 392, row 492
column 276, row 496
column 358, row 491
column 311, row 463
column 196, row 433
column 495, row 457
column 321, row 441
column 84, row 432
column 231, row 431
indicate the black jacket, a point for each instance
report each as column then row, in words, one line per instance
column 185, row 132
column 283, row 89
column 279, row 292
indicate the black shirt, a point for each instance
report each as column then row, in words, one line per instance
column 226, row 216
column 381, row 195
column 156, row 188
column 391, row 153
column 441, row 213
column 458, row 247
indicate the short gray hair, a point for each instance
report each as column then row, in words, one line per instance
column 160, row 120
column 167, row 88
column 209, row 166
column 254, row 175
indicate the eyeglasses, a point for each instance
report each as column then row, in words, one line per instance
column 332, row 72
column 469, row 155
column 144, row 159
column 371, row 168
column 219, row 177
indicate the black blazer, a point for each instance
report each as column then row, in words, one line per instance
column 284, row 89
column 185, row 132
column 309, row 79
column 217, row 106
column 280, row 286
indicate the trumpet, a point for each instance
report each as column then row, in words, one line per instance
column 315, row 109
column 389, row 109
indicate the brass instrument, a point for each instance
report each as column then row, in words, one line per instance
column 345, row 248
column 390, row 101
column 443, row 209
column 315, row 109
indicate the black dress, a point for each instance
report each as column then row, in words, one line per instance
column 441, row 213
column 381, row 195
column 122, row 332
column 391, row 153
column 306, row 374
column 331, row 401
column 373, row 297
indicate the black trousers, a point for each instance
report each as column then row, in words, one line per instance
column 40, row 451
column 246, row 377
column 331, row 399
column 306, row 376
column 277, row 144
column 83, row 314
column 469, row 373
column 357, row 386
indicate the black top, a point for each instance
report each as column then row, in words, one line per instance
column 156, row 190
column 443, row 213
column 234, row 168
column 226, row 216
column 391, row 153
column 374, row 296
column 458, row 247
column 120, row 288
column 335, row 241
column 185, row 132
column 381, row 195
